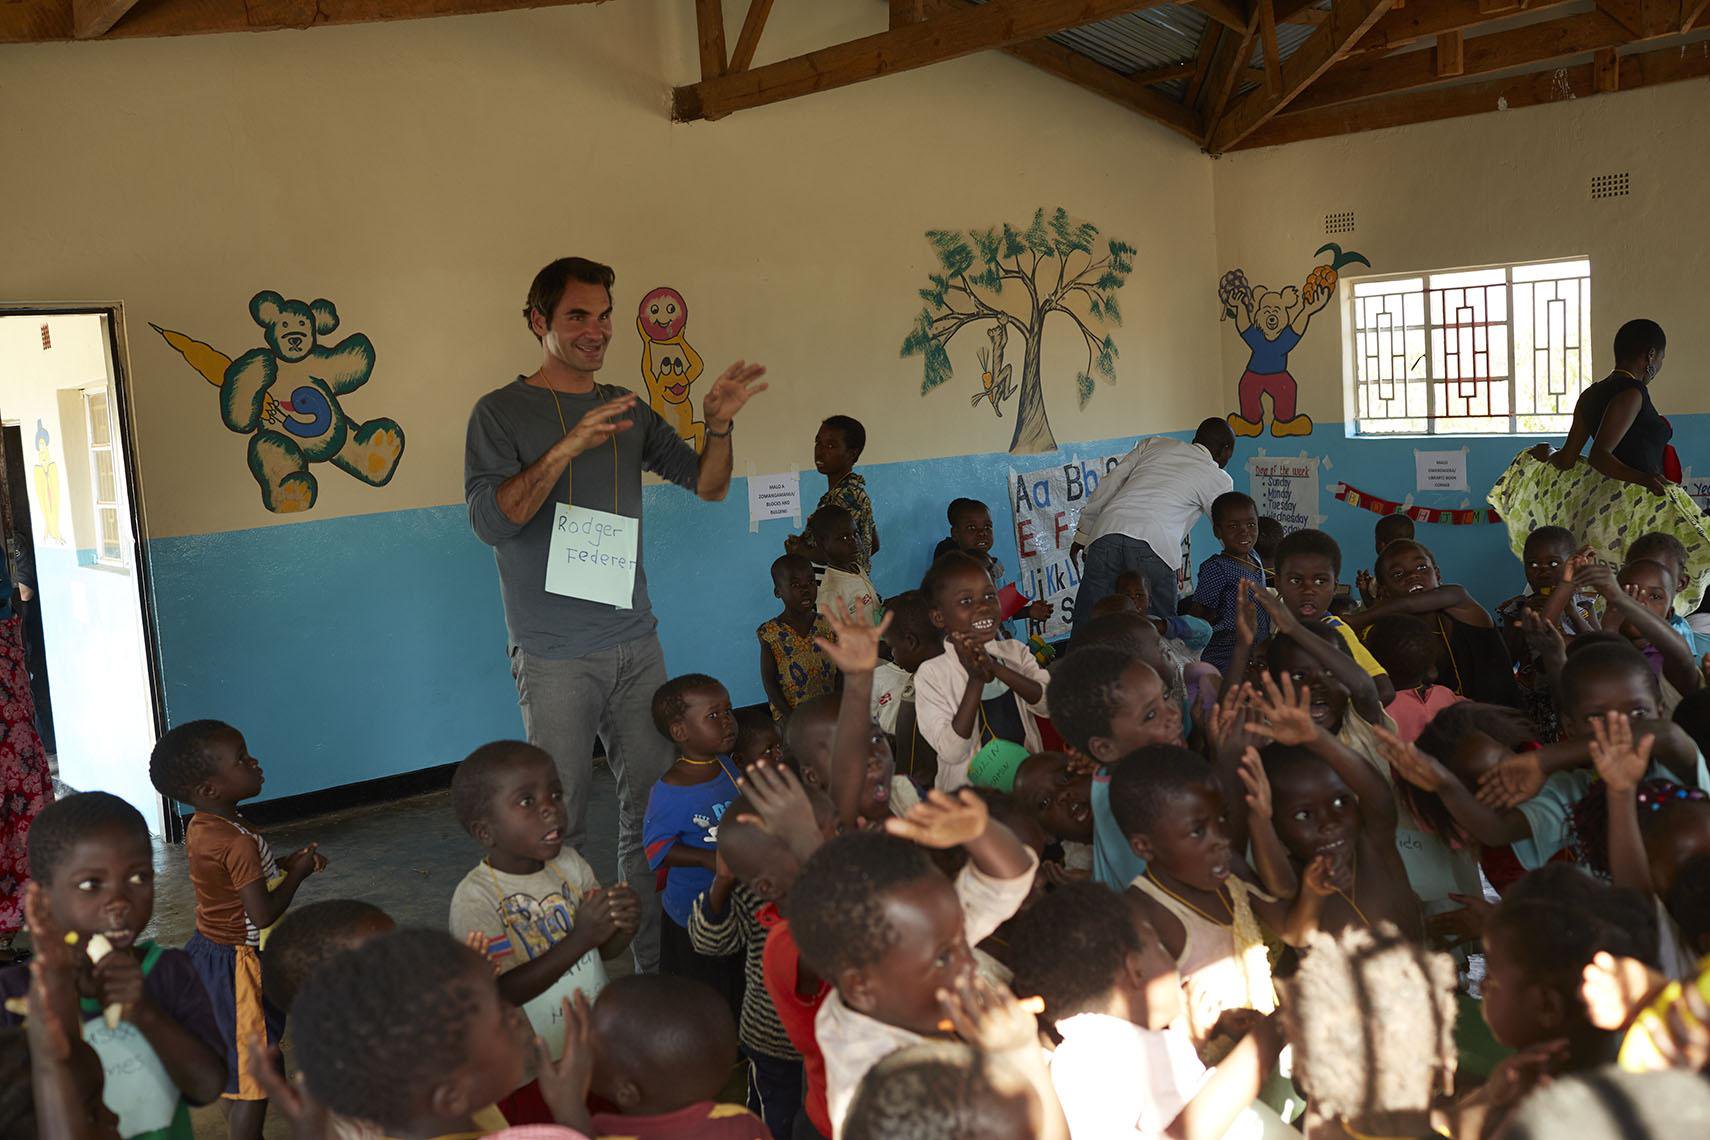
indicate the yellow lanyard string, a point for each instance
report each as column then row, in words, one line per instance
column 571, row 465
column 1209, row 918
column 1460, row 686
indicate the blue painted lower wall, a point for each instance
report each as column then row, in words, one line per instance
column 356, row 648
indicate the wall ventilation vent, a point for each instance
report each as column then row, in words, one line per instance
column 1343, row 223
column 1610, row 185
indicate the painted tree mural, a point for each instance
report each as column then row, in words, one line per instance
column 1017, row 279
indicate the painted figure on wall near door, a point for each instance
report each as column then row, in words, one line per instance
column 1016, row 279
column 1271, row 323
column 47, row 485
column 285, row 397
column 669, row 364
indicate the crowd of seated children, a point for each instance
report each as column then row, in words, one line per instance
column 1207, row 865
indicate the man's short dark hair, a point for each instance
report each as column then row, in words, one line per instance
column 184, row 757
column 549, row 284
column 837, row 906
column 1213, row 434
column 1638, row 338
column 854, row 433
column 64, row 823
column 1231, row 501
column 671, row 700
column 1306, row 543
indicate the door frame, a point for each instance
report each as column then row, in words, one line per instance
column 172, row 826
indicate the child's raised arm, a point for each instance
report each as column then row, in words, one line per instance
column 1270, row 857
column 1246, row 626
column 1679, row 666
column 1362, row 689
column 854, row 649
column 1622, row 763
column 1450, row 599
column 1287, row 719
column 1490, row 826
column 944, row 820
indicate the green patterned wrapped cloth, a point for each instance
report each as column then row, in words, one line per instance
column 1603, row 513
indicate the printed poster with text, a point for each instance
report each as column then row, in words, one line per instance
column 1047, row 503
column 1286, row 488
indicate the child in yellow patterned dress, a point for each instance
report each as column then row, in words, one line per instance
column 792, row 667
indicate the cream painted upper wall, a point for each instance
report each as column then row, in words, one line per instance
column 1503, row 187
column 418, row 173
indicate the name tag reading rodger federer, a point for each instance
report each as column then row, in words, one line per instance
column 592, row 556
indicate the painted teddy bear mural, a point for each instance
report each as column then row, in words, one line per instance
column 285, row 397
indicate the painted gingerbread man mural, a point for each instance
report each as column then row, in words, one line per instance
column 1271, row 323
column 669, row 364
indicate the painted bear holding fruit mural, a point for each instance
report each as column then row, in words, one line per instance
column 285, row 397
column 1271, row 322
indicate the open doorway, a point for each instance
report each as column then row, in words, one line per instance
column 68, row 506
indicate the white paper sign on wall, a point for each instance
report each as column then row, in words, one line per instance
column 773, row 497
column 1698, row 486
column 1287, row 488
column 1440, row 470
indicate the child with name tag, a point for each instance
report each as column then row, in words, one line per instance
column 547, row 922
column 143, row 1007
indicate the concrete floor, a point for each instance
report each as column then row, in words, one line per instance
column 405, row 857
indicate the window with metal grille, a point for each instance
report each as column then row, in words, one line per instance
column 103, row 477
column 1500, row 351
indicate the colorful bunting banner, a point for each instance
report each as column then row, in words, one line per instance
column 1452, row 516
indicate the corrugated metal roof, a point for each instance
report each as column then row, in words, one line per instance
column 1289, row 37
column 1139, row 41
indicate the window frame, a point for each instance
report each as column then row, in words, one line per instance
column 1438, row 425
column 97, row 504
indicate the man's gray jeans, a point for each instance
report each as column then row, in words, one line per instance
column 1107, row 559
column 565, row 704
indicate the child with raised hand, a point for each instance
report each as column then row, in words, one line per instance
column 912, row 641
column 1308, row 562
column 548, row 925
column 1371, row 1018
column 994, row 1087
column 844, row 586
column 1637, row 605
column 837, row 447
column 683, row 812
column 1408, row 650
column 1527, row 798
column 1222, row 577
column 981, row 688
column 1197, row 890
column 971, row 533
column 409, row 1032
column 1474, row 661
column 1109, row 705
column 92, row 868
column 1125, row 1065
column 792, row 669
column 859, row 772
column 240, row 892
column 51, row 1080
column 664, row 1048
column 1336, row 815
column 874, row 917
column 1654, row 828
column 811, row 739
column 1659, row 546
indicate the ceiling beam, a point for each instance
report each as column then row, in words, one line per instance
column 1647, row 19
column 1113, row 85
column 1403, row 26
column 907, row 12
column 1227, row 67
column 748, row 40
column 1694, row 14
column 944, row 36
column 1268, row 47
column 1230, row 13
column 34, row 21
column 709, row 30
column 1150, row 76
column 1551, row 85
column 1369, row 76
column 91, row 19
column 1208, row 37
column 1349, row 20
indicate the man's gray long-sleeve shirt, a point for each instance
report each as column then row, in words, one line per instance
column 513, row 427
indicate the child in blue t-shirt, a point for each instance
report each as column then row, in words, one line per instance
column 1216, row 597
column 680, row 831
